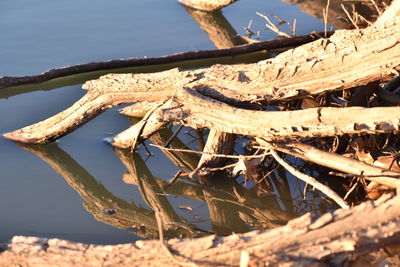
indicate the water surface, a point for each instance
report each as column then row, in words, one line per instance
column 37, row 200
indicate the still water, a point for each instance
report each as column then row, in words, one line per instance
column 79, row 188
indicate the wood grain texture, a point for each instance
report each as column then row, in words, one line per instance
column 333, row 239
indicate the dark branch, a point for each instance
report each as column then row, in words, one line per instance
column 8, row 81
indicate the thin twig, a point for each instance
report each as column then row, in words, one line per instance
column 351, row 190
column 142, row 125
column 173, row 136
column 248, row 30
column 211, row 154
column 310, row 180
column 221, row 168
column 294, row 27
column 364, row 19
column 305, row 191
column 147, row 149
column 272, row 26
column 174, row 179
column 349, row 175
column 325, row 14
column 376, row 7
column 350, row 18
column 264, row 178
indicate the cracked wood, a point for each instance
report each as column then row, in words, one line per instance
column 347, row 59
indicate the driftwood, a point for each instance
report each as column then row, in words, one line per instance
column 373, row 52
column 228, row 99
column 169, row 60
column 334, row 239
column 231, row 100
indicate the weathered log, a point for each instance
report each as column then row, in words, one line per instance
column 335, row 238
column 193, row 109
column 168, row 61
column 373, row 53
column 148, row 88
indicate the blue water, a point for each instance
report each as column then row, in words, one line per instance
column 40, row 35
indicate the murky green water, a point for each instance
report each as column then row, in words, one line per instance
column 71, row 189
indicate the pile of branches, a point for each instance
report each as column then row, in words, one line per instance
column 331, row 101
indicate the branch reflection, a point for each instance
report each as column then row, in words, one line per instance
column 232, row 207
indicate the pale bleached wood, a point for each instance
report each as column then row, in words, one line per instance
column 311, row 181
column 390, row 14
column 341, row 163
column 223, row 35
column 196, row 110
column 149, row 124
column 218, row 142
column 347, row 59
column 193, row 109
column 147, row 87
column 335, row 239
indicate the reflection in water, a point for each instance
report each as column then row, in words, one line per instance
column 362, row 12
column 217, row 27
column 232, row 207
column 97, row 198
